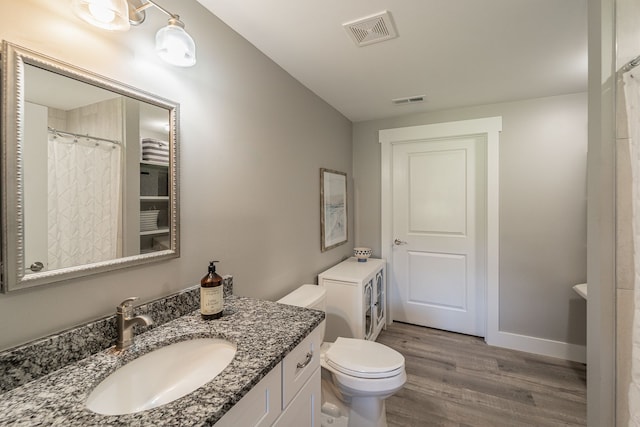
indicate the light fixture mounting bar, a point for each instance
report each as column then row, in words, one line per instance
column 150, row 3
column 137, row 12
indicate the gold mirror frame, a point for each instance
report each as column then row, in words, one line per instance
column 12, row 123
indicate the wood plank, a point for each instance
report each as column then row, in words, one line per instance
column 458, row 380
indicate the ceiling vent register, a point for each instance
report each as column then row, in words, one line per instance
column 372, row 29
column 408, row 100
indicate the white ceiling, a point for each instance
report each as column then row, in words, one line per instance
column 53, row 90
column 456, row 52
column 57, row 91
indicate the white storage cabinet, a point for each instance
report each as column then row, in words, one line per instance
column 356, row 299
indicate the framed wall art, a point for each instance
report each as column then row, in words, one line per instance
column 333, row 209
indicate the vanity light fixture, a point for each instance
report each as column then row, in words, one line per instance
column 106, row 14
column 173, row 44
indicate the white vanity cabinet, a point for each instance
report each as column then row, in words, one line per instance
column 289, row 395
column 356, row 299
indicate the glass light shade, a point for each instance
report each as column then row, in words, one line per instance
column 175, row 46
column 107, row 14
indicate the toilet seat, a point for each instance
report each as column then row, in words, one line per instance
column 364, row 359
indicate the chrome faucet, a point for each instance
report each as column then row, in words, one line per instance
column 125, row 323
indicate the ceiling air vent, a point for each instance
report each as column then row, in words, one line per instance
column 408, row 100
column 372, row 29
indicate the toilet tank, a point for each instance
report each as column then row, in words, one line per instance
column 307, row 296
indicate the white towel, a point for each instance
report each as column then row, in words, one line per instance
column 149, row 220
column 154, row 150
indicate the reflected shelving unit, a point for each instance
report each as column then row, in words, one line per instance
column 154, row 206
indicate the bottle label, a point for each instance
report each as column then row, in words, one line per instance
column 211, row 301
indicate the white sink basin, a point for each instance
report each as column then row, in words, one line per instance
column 161, row 376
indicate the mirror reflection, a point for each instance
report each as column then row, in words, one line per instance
column 77, row 180
column 89, row 172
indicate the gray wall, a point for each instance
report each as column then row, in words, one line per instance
column 252, row 142
column 543, row 151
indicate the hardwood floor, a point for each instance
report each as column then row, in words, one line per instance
column 458, row 380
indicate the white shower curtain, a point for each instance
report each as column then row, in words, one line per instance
column 84, row 200
column 632, row 98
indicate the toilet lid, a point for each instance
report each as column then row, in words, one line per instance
column 364, row 359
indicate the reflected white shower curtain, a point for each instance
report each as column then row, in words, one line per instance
column 84, row 200
column 632, row 97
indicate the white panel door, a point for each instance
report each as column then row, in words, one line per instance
column 438, row 192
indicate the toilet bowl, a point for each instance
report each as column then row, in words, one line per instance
column 362, row 373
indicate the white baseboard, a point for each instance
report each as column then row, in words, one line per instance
column 542, row 346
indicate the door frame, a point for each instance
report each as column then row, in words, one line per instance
column 490, row 127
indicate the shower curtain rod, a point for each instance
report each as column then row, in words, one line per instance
column 631, row 64
column 64, row 132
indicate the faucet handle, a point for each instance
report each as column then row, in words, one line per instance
column 126, row 306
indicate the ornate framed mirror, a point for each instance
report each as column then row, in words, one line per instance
column 89, row 172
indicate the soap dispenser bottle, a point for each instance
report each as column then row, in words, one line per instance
column 211, row 295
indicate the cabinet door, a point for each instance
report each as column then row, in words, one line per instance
column 260, row 407
column 368, row 310
column 304, row 409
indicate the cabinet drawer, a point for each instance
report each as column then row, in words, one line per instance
column 260, row 407
column 300, row 364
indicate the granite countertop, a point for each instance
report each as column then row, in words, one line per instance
column 264, row 332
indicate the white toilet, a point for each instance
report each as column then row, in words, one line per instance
column 357, row 375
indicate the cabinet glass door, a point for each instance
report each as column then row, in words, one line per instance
column 379, row 297
column 368, row 306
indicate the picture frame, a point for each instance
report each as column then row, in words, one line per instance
column 333, row 209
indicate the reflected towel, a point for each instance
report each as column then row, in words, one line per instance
column 154, row 150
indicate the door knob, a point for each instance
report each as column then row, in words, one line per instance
column 36, row 266
column 399, row 242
